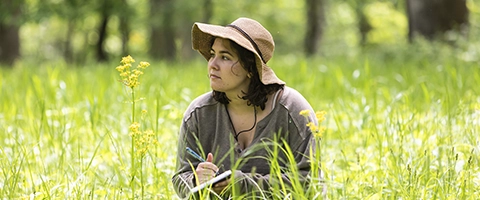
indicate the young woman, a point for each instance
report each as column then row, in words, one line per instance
column 247, row 120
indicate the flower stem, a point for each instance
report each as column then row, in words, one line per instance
column 133, row 170
column 141, row 179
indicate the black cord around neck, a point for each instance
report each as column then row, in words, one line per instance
column 243, row 131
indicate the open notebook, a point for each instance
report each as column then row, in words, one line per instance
column 212, row 181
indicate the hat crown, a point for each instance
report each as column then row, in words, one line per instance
column 245, row 32
column 260, row 36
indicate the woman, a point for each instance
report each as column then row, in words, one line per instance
column 248, row 119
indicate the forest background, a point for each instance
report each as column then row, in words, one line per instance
column 79, row 31
column 398, row 80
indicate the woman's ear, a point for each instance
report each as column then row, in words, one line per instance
column 249, row 75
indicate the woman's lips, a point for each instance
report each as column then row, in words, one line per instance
column 213, row 76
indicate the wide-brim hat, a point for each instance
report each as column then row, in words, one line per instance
column 247, row 33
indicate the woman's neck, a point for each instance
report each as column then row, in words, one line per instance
column 238, row 104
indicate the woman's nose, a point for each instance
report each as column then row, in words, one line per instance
column 212, row 63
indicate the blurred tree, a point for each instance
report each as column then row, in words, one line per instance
column 10, row 14
column 105, row 11
column 162, row 32
column 71, row 13
column 315, row 21
column 125, row 11
column 430, row 18
column 208, row 10
column 364, row 25
column 188, row 12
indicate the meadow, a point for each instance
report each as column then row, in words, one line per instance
column 400, row 124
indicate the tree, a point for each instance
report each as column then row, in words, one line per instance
column 364, row 25
column 186, row 14
column 430, row 18
column 102, row 31
column 71, row 13
column 107, row 9
column 124, row 15
column 315, row 21
column 208, row 10
column 10, row 14
column 162, row 33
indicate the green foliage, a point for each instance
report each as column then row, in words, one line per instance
column 45, row 24
column 402, row 122
column 389, row 25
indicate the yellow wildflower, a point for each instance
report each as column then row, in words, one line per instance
column 312, row 126
column 320, row 116
column 134, row 127
column 137, row 72
column 320, row 131
column 127, row 60
column 120, row 68
column 144, row 141
column 305, row 113
column 316, row 130
column 130, row 76
column 143, row 65
column 149, row 133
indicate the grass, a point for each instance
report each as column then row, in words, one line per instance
column 400, row 125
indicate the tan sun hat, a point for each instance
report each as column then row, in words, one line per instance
column 247, row 33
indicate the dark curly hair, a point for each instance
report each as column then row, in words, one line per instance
column 257, row 91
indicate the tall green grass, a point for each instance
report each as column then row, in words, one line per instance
column 401, row 124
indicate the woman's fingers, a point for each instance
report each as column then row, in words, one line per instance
column 206, row 170
column 204, row 175
column 210, row 157
column 222, row 184
column 208, row 166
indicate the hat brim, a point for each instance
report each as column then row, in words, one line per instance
column 202, row 38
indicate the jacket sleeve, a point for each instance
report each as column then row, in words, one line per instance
column 183, row 179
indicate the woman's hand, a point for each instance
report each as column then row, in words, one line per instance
column 206, row 170
column 220, row 186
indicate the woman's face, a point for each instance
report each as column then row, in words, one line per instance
column 225, row 70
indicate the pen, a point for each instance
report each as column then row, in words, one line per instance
column 195, row 154
column 198, row 157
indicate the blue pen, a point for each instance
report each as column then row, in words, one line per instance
column 195, row 154
column 198, row 157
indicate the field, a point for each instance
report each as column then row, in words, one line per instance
column 399, row 125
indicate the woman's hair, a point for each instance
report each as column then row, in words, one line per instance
column 257, row 91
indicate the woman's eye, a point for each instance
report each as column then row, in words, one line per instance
column 212, row 55
column 225, row 58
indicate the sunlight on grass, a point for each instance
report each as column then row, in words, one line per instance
column 395, row 129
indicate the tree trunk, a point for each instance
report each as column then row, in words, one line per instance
column 125, row 26
column 162, row 35
column 102, row 35
column 431, row 18
column 68, row 52
column 9, row 31
column 9, row 44
column 125, row 31
column 105, row 12
column 315, row 20
column 208, row 10
column 364, row 26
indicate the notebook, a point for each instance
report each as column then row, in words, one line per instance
column 221, row 177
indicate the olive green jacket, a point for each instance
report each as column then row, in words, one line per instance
column 206, row 128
